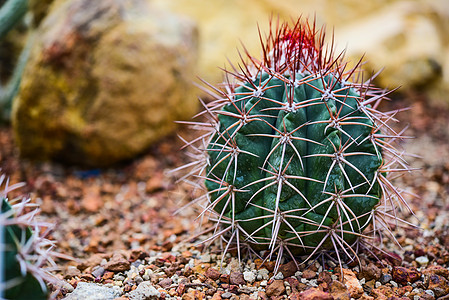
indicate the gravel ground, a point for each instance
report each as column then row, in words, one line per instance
column 127, row 242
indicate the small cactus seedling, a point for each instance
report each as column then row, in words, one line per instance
column 294, row 156
column 24, row 251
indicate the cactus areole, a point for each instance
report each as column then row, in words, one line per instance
column 296, row 156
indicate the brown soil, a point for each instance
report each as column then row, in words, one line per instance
column 119, row 225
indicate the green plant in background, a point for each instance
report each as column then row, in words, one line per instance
column 11, row 14
column 294, row 155
column 24, row 250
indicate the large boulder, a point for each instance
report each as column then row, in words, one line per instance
column 105, row 80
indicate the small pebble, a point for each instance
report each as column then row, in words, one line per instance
column 377, row 284
column 138, row 280
column 205, row 258
column 393, row 283
column 249, row 276
column 385, row 278
column 98, row 272
column 226, row 295
column 119, row 277
column 430, row 292
column 422, row 260
column 263, row 283
column 263, row 273
column 313, row 282
column 279, row 276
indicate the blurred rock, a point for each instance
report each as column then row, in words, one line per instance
column 104, row 81
column 409, row 38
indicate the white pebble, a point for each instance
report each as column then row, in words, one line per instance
column 279, row 276
column 249, row 276
column 422, row 260
column 263, row 273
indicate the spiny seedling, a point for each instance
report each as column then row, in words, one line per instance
column 294, row 154
column 25, row 253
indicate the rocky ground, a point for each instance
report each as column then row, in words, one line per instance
column 127, row 242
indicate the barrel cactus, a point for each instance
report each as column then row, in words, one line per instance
column 294, row 155
column 24, row 250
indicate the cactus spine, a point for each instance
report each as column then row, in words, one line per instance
column 295, row 157
column 24, row 251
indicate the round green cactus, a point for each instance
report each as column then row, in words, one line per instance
column 297, row 157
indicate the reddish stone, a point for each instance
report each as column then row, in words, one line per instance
column 212, row 273
column 439, row 285
column 437, row 270
column 352, row 283
column 233, row 288
column 339, row 291
column 308, row 274
column 194, row 295
column 224, row 278
column 236, row 278
column 404, row 275
column 383, row 292
column 315, row 294
column 369, row 272
column 88, row 277
column 324, row 277
column 166, row 282
column 181, row 289
column 288, row 269
column 269, row 265
column 138, row 254
column 295, row 285
column 117, row 263
column 276, row 288
column 108, row 275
